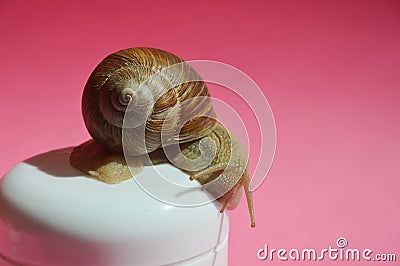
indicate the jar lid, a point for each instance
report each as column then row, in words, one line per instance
column 51, row 214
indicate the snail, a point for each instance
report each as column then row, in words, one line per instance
column 165, row 108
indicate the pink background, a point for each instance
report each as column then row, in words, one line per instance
column 330, row 70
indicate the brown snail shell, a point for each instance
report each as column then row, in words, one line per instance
column 130, row 76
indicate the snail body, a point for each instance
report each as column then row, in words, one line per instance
column 227, row 170
column 140, row 90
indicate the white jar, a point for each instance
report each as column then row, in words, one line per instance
column 50, row 214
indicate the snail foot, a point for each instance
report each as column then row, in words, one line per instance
column 96, row 161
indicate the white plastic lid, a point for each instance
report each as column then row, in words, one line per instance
column 50, row 214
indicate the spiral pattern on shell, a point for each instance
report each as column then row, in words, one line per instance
column 135, row 77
